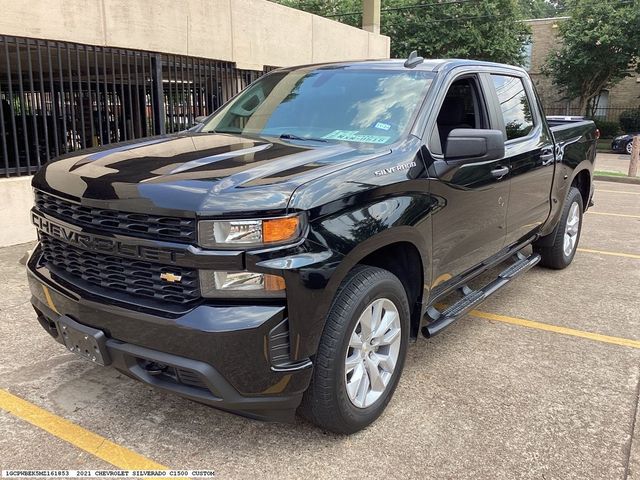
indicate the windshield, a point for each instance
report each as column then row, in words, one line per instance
column 326, row 104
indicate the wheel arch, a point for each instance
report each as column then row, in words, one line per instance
column 400, row 250
column 404, row 261
column 582, row 181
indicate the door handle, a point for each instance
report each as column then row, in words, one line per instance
column 500, row 172
column 547, row 156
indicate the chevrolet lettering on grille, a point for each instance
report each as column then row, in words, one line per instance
column 98, row 243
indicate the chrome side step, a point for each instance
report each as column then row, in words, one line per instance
column 440, row 320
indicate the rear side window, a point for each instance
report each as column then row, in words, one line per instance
column 515, row 106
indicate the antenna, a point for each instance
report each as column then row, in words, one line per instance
column 413, row 60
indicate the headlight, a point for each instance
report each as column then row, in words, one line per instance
column 214, row 284
column 249, row 233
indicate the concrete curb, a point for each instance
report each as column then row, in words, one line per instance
column 606, row 178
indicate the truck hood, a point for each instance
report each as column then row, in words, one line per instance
column 202, row 173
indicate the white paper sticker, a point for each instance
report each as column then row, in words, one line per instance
column 354, row 136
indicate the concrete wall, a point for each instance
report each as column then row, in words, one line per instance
column 252, row 33
column 545, row 39
column 17, row 200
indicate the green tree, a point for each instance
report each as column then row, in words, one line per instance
column 600, row 44
column 487, row 30
column 541, row 8
column 326, row 8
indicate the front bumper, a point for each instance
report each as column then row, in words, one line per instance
column 214, row 354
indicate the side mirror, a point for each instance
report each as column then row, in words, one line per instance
column 200, row 119
column 474, row 145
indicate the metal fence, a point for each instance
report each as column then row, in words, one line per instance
column 58, row 97
column 611, row 114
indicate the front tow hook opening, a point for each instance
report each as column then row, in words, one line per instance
column 154, row 368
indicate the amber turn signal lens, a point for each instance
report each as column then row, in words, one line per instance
column 280, row 229
column 273, row 283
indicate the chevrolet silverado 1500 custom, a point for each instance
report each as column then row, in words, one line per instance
column 281, row 255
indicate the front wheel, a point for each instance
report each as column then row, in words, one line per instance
column 565, row 236
column 629, row 147
column 361, row 353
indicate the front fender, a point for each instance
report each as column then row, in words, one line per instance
column 345, row 238
column 358, row 232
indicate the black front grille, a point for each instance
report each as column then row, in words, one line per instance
column 156, row 227
column 133, row 277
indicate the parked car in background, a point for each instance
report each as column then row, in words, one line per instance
column 622, row 144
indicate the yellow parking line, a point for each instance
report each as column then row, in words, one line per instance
column 598, row 190
column 613, row 214
column 77, row 436
column 614, row 254
column 625, row 342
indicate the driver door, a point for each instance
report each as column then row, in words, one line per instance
column 470, row 224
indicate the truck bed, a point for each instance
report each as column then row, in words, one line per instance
column 565, row 129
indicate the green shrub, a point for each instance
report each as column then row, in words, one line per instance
column 607, row 128
column 630, row 120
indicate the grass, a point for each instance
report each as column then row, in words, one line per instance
column 604, row 145
column 602, row 173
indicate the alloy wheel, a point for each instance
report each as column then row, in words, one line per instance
column 571, row 229
column 373, row 352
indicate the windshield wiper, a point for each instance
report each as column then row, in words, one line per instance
column 291, row 136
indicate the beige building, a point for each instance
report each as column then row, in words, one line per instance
column 612, row 102
column 250, row 33
column 83, row 73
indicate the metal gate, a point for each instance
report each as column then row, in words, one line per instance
column 58, row 97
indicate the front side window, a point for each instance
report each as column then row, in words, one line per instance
column 330, row 104
column 515, row 106
column 461, row 109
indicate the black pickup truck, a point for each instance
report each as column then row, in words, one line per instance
column 281, row 255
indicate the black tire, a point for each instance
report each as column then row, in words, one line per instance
column 553, row 254
column 326, row 402
column 628, row 147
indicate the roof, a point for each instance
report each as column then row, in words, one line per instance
column 431, row 65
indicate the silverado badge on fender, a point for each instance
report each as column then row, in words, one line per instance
column 397, row 168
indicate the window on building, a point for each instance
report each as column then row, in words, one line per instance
column 602, row 104
column 527, row 53
column 515, row 105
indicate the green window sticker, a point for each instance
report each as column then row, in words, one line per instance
column 354, row 136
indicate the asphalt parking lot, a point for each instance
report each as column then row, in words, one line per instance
column 541, row 382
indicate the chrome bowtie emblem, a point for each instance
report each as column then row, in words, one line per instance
column 170, row 277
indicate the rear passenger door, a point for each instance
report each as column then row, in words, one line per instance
column 529, row 151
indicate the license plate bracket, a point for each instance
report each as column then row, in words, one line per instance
column 84, row 341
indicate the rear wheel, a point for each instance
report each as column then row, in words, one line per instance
column 361, row 353
column 565, row 236
column 629, row 147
